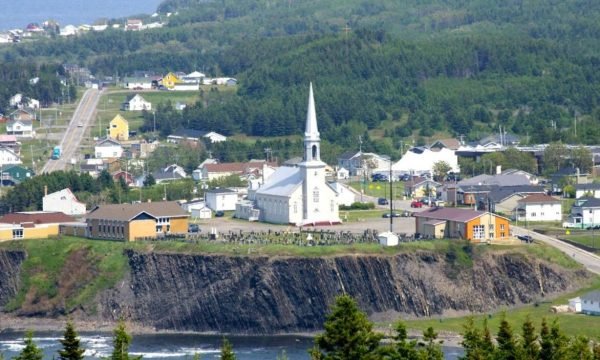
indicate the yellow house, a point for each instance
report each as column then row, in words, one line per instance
column 170, row 80
column 129, row 222
column 32, row 225
column 119, row 128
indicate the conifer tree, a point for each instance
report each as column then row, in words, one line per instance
column 473, row 342
column 348, row 334
column 487, row 344
column 433, row 348
column 121, row 342
column 227, row 351
column 529, row 341
column 30, row 351
column 507, row 347
column 404, row 348
column 596, row 351
column 546, row 343
column 579, row 349
column 71, row 348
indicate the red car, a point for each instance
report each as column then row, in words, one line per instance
column 416, row 204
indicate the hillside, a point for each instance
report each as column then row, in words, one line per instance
column 210, row 287
column 414, row 71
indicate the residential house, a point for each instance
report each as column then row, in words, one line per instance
column 452, row 144
column 8, row 157
column 119, row 128
column 227, row 81
column 126, row 176
column 221, row 199
column 587, row 190
column 590, row 303
column 108, row 149
column 169, row 81
column 22, row 115
column 133, row 25
column 418, row 187
column 470, row 191
column 585, row 213
column 20, row 128
column 14, row 174
column 194, row 77
column 504, row 199
column 63, row 201
column 197, row 209
column 170, row 173
column 533, row 180
column 21, row 102
column 137, row 83
column 130, row 222
column 10, row 141
column 342, row 174
column 32, row 225
column 197, row 173
column 345, row 194
column 195, row 135
column 473, row 225
column 567, row 175
column 357, row 163
column 218, row 171
column 539, row 207
column 136, row 103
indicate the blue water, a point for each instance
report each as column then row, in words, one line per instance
column 176, row 346
column 16, row 14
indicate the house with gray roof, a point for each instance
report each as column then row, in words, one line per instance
column 221, row 199
column 587, row 190
column 590, row 303
column 585, row 213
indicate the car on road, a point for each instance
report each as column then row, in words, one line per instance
column 526, row 238
column 389, row 215
column 382, row 201
column 379, row 177
column 80, row 125
column 219, row 213
column 416, row 204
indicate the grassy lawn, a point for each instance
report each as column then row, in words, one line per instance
column 589, row 238
column 379, row 189
column 360, row 215
column 571, row 324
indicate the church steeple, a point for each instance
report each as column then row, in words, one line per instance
column 312, row 140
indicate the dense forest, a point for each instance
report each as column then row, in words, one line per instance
column 398, row 73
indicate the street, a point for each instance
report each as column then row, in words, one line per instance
column 82, row 118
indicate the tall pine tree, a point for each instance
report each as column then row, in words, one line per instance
column 227, row 351
column 30, row 351
column 529, row 341
column 507, row 347
column 121, row 342
column 71, row 350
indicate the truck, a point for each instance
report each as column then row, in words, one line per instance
column 56, row 152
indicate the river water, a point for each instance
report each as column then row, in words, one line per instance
column 16, row 14
column 176, row 346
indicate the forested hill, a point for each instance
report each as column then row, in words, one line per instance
column 411, row 70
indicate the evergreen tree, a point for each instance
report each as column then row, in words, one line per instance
column 487, row 344
column 30, row 351
column 71, row 348
column 149, row 181
column 433, row 348
column 121, row 342
column 579, row 349
column 546, row 343
column 227, row 351
column 596, row 351
column 473, row 342
column 529, row 341
column 348, row 333
column 507, row 347
column 404, row 348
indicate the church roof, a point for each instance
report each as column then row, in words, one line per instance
column 284, row 181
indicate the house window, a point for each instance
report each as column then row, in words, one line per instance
column 478, row 231
column 532, row 214
column 541, row 214
column 332, row 206
column 17, row 233
column 501, row 226
column 158, row 229
column 316, row 195
column 502, row 234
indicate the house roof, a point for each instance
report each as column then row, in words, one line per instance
column 590, row 186
column 108, row 142
column 500, row 180
column 235, row 166
column 589, row 202
column 8, row 138
column 220, row 191
column 188, row 133
column 500, row 193
column 538, row 198
column 130, row 97
column 284, row 181
column 451, row 143
column 348, row 155
column 591, row 296
column 36, row 217
column 126, row 212
column 27, row 122
column 451, row 214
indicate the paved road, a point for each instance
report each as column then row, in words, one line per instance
column 588, row 260
column 82, row 118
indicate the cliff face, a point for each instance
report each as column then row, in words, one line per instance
column 10, row 271
column 269, row 295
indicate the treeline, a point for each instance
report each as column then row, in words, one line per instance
column 17, row 77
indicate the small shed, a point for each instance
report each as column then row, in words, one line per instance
column 388, row 239
column 575, row 305
column 202, row 213
column 435, row 228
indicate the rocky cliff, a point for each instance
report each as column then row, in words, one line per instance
column 10, row 274
column 281, row 294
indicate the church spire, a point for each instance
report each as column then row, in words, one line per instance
column 311, row 132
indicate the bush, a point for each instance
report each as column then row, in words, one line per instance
column 358, row 206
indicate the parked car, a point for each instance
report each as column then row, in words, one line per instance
column 526, row 238
column 193, row 228
column 379, row 177
column 219, row 213
column 389, row 215
column 404, row 177
column 382, row 201
column 416, row 204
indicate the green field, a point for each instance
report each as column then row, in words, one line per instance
column 379, row 189
column 589, row 238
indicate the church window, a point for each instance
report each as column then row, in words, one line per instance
column 316, row 195
column 314, row 152
column 332, row 206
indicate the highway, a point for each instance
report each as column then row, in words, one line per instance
column 82, row 118
column 588, row 260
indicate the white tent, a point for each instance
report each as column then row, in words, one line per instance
column 422, row 160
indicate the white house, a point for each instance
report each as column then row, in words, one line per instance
column 575, row 305
column 63, row 201
column 108, row 149
column 136, row 103
column 585, row 213
column 221, row 199
column 590, row 303
column 345, row 195
column 539, row 207
column 201, row 213
column 8, row 157
column 139, row 83
column 20, row 128
column 194, row 77
column 300, row 195
column 342, row 173
column 591, row 189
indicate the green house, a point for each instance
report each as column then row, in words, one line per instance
column 15, row 174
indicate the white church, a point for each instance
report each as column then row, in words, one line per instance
column 300, row 195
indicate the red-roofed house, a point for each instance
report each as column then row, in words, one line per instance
column 473, row 225
column 539, row 207
column 32, row 225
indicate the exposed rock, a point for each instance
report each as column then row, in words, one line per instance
column 10, row 274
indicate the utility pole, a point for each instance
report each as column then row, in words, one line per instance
column 268, row 154
column 362, row 183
